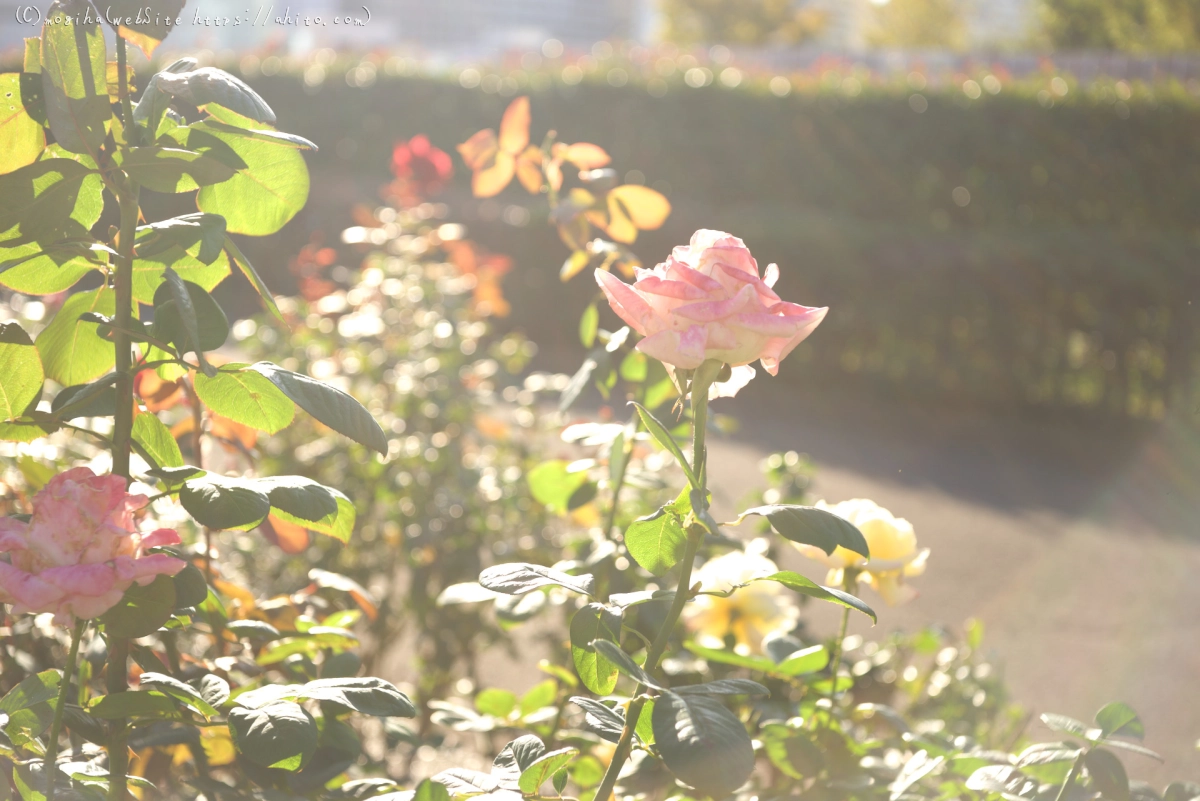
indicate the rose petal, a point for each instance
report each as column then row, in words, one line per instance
column 711, row 311
column 682, row 272
column 671, row 289
column 771, row 274
column 25, row 591
column 685, row 350
column 92, row 579
column 628, row 304
column 765, row 292
column 146, row 567
column 161, row 536
column 778, row 349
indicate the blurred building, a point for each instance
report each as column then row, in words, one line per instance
column 490, row 25
column 990, row 23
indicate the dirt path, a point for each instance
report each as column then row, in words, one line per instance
column 1079, row 551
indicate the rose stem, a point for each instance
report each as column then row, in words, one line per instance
column 50, row 769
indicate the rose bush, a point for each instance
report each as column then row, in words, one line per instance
column 243, row 693
column 80, row 550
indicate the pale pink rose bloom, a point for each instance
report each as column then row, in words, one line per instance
column 81, row 550
column 707, row 301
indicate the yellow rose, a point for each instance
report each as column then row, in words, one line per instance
column 749, row 614
column 891, row 541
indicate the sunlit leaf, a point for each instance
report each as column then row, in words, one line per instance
column 529, row 169
column 514, row 126
column 586, row 156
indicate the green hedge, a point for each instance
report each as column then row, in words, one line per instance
column 1066, row 281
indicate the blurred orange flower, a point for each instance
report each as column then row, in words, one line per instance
column 488, row 269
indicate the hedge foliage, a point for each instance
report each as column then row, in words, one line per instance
column 1030, row 242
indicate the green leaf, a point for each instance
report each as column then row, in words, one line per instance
column 545, row 766
column 516, row 756
column 190, row 587
column 74, row 79
column 663, row 437
column 80, row 723
column 726, row 657
column 72, row 352
column 186, row 231
column 496, row 702
column 48, row 200
column 539, row 696
column 144, row 24
column 39, row 688
column 96, row 399
column 1182, row 791
column 300, row 497
column 702, row 743
column 214, row 689
column 268, row 192
column 518, row 578
column 804, row 661
column 466, row 782
column 328, row 405
column 429, row 790
column 246, row 397
column 22, row 138
column 367, row 695
column 808, row 525
column 278, row 735
column 186, row 694
column 339, row 525
column 224, row 503
column 171, row 169
column 656, row 542
column 174, row 476
column 132, row 705
column 589, row 324
column 206, row 85
column 635, row 367
column 1047, row 754
column 1119, row 720
column 624, row 663
column 142, row 610
column 21, row 375
column 253, row 630
column 247, row 269
column 148, row 272
column 804, row 586
column 1068, row 725
column 725, row 687
column 608, row 722
column 25, row 429
column 1107, row 774
column 645, row 726
column 595, row 622
column 156, row 441
column 187, row 316
column 36, row 269
column 553, row 486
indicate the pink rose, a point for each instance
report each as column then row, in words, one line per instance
column 80, row 551
column 707, row 301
